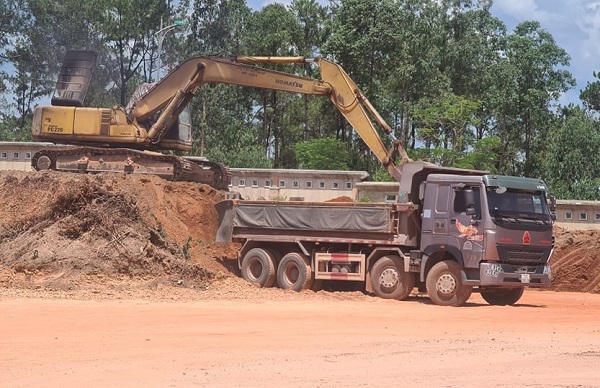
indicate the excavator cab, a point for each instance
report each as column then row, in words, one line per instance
column 180, row 133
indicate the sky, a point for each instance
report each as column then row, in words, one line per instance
column 574, row 24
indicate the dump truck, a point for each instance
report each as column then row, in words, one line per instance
column 452, row 230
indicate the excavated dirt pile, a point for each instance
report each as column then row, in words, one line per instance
column 576, row 260
column 65, row 231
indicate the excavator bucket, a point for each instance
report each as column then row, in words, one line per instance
column 74, row 78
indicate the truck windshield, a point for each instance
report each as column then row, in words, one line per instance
column 518, row 205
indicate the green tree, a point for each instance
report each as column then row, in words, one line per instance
column 311, row 17
column 590, row 96
column 274, row 31
column 535, row 62
column 28, row 83
column 469, row 47
column 572, row 162
column 447, row 123
column 52, row 37
column 225, row 129
column 362, row 41
column 322, row 154
column 230, row 137
column 473, row 43
column 415, row 64
column 216, row 27
column 129, row 37
column 12, row 17
column 483, row 156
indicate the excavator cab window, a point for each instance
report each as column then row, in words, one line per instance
column 181, row 130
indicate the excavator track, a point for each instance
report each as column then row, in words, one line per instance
column 169, row 167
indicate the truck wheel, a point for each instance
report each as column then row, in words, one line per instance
column 317, row 285
column 502, row 296
column 258, row 267
column 389, row 280
column 294, row 273
column 444, row 284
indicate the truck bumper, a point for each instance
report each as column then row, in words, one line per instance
column 496, row 274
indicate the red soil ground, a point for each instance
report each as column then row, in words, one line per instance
column 112, row 280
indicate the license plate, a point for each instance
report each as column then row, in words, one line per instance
column 525, row 278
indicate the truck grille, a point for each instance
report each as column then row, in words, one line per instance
column 523, row 255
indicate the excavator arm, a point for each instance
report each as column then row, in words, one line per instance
column 170, row 96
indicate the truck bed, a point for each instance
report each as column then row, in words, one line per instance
column 241, row 220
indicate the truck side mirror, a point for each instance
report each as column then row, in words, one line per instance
column 552, row 207
column 469, row 197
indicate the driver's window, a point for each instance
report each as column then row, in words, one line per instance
column 460, row 204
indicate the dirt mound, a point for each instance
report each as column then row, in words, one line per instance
column 62, row 230
column 576, row 260
column 343, row 198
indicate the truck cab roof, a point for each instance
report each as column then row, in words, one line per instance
column 513, row 182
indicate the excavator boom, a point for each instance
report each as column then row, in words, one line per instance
column 204, row 70
column 335, row 83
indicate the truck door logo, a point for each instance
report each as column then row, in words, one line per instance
column 526, row 238
column 468, row 232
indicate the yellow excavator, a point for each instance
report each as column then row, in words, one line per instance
column 127, row 138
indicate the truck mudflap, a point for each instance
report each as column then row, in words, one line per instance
column 498, row 274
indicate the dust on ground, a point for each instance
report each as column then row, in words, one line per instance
column 117, row 233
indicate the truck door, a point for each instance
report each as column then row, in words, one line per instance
column 466, row 230
column 446, row 225
column 436, row 221
column 441, row 215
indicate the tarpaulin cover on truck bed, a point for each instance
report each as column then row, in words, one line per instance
column 303, row 216
column 376, row 219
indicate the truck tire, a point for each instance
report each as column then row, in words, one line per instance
column 389, row 280
column 317, row 285
column 502, row 296
column 444, row 284
column 258, row 267
column 294, row 273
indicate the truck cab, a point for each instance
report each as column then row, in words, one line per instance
column 497, row 229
